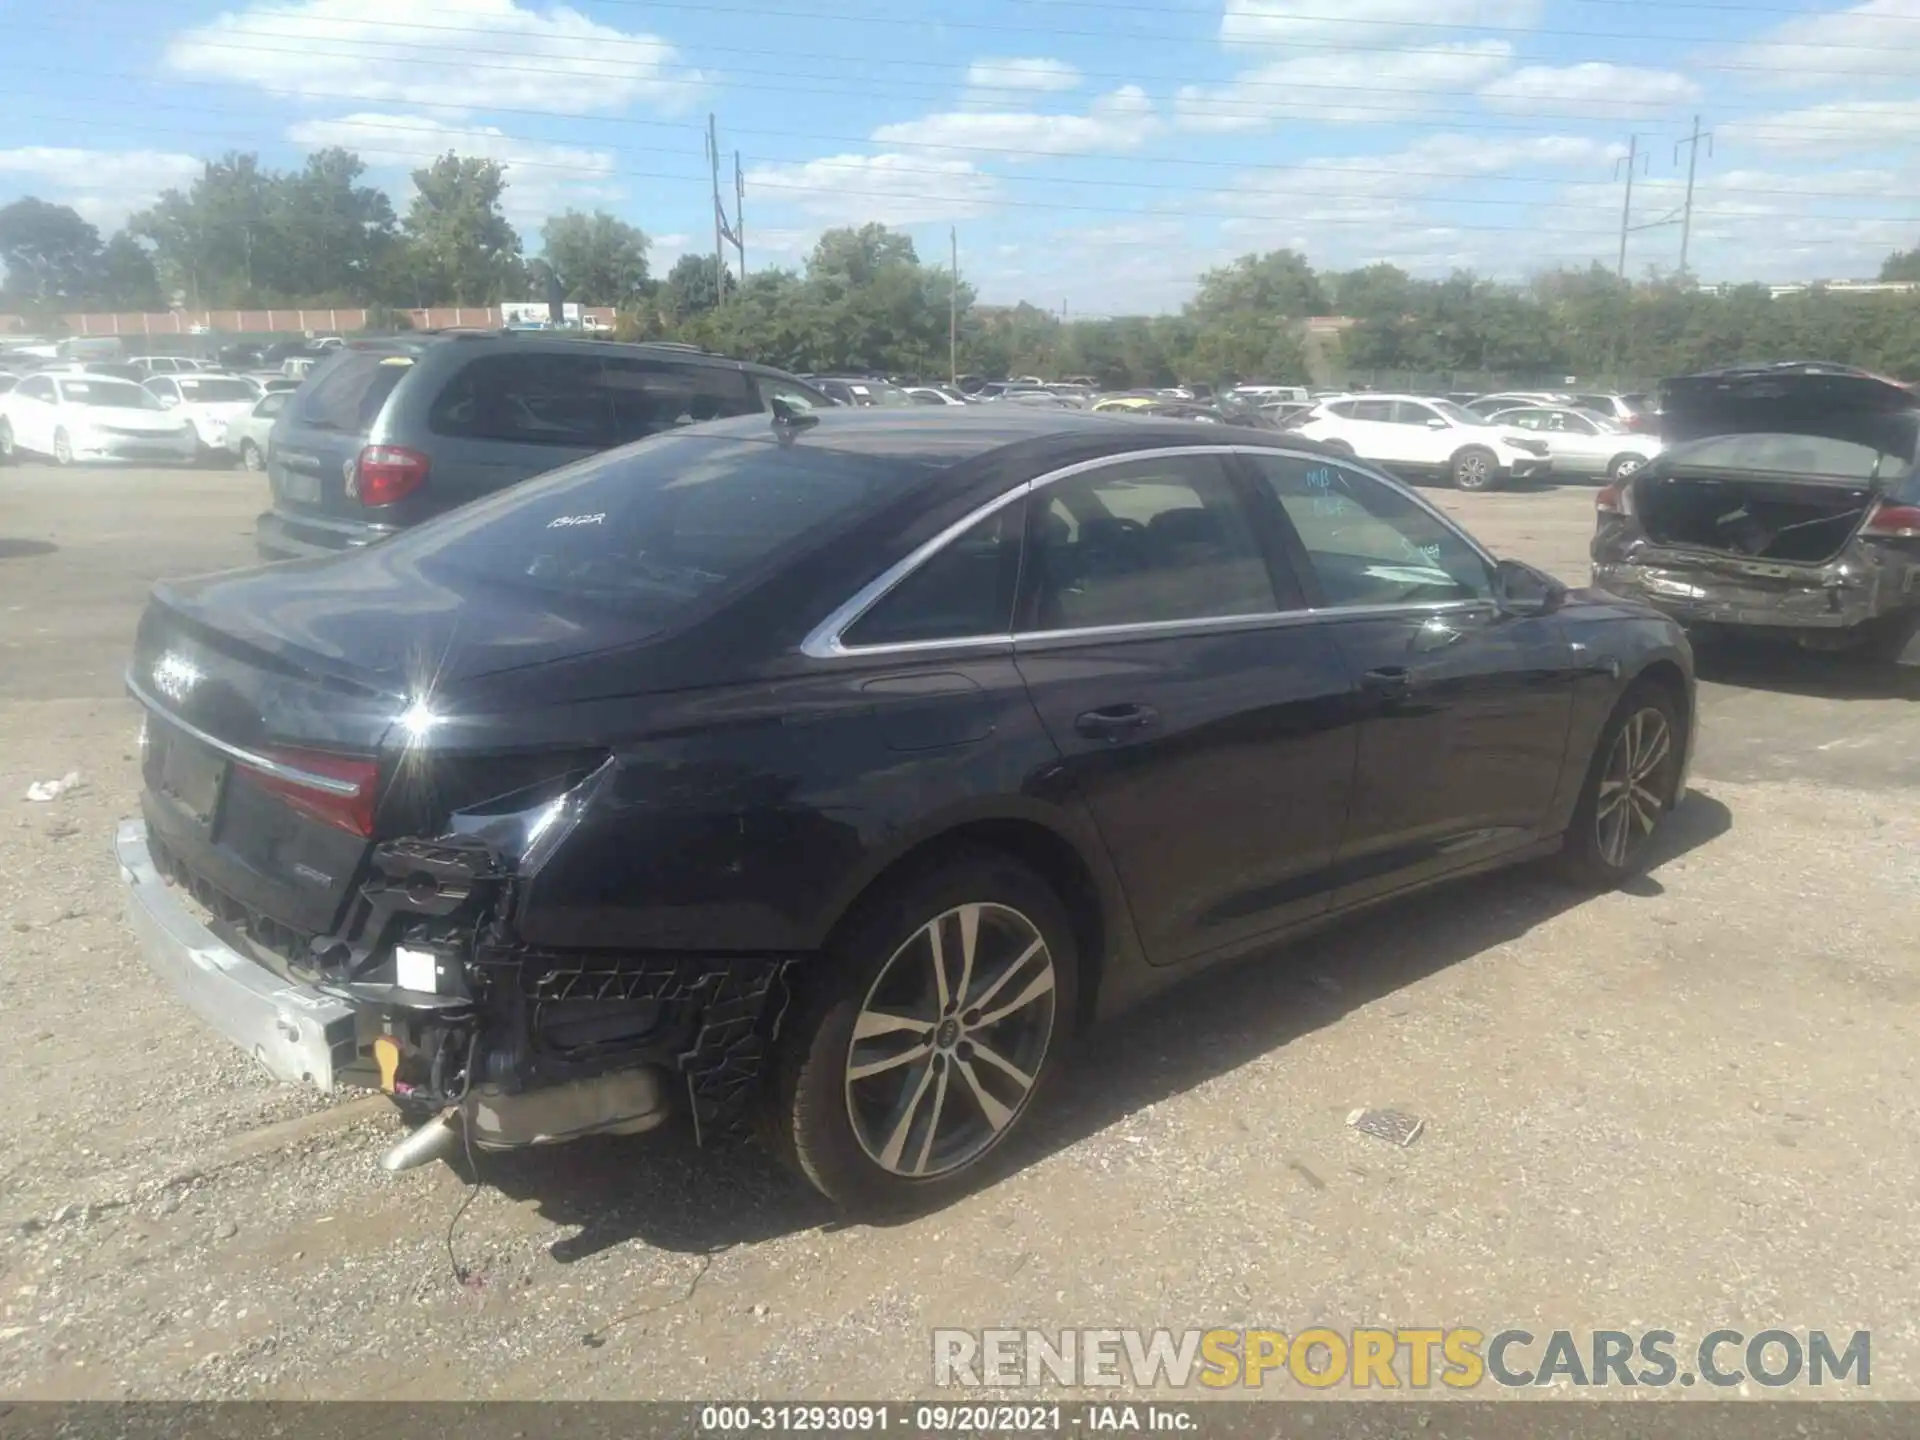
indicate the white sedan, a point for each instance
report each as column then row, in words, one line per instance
column 210, row 403
column 90, row 417
column 1583, row 442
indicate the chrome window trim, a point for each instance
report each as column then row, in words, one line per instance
column 253, row 760
column 824, row 642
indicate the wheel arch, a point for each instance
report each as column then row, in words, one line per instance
column 1665, row 672
column 1080, row 879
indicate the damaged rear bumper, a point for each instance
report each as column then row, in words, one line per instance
column 515, row 1046
column 295, row 1031
column 1705, row 588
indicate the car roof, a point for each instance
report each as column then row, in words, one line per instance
column 547, row 342
column 949, row 435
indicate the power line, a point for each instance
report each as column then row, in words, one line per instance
column 1306, row 174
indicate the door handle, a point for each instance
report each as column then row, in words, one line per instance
column 1110, row 722
column 1390, row 682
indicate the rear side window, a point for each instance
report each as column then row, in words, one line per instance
column 348, row 397
column 1377, row 410
column 965, row 590
column 653, row 530
column 588, row 402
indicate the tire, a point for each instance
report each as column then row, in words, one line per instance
column 1622, row 465
column 6, row 442
column 251, row 458
column 913, row 1131
column 1605, row 846
column 62, row 448
column 1475, row 468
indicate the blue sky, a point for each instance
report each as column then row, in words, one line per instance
column 1093, row 154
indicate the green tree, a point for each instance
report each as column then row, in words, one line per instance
column 600, row 260
column 464, row 251
column 331, row 234
column 1901, row 265
column 127, row 280
column 689, row 288
column 1277, row 285
column 52, row 256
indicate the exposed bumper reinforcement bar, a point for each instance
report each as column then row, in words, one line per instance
column 295, row 1031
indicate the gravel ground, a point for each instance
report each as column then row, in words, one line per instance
column 1687, row 1105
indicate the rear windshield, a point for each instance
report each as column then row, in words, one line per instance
column 1791, row 455
column 348, row 397
column 653, row 529
column 114, row 394
column 584, row 401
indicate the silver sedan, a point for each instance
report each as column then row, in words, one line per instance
column 1583, row 442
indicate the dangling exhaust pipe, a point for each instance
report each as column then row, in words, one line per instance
column 439, row 1139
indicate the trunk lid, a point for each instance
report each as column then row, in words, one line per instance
column 1835, row 402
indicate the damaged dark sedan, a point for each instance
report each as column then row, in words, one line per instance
column 826, row 776
column 1785, row 504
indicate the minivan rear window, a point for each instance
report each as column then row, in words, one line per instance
column 584, row 401
column 348, row 396
column 652, row 530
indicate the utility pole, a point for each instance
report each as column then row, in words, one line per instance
column 719, row 265
column 740, row 215
column 1692, row 142
column 1626, row 209
column 953, row 308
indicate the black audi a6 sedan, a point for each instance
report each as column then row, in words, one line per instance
column 828, row 773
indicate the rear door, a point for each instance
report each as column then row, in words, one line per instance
column 313, row 466
column 1466, row 708
column 30, row 410
column 1375, row 435
column 1203, row 717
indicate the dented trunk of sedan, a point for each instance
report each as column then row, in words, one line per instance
column 354, row 900
column 1785, row 501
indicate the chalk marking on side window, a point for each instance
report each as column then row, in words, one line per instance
column 564, row 521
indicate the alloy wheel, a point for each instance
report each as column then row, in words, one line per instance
column 950, row 1040
column 62, row 448
column 1632, row 786
column 6, row 441
column 250, row 456
column 1470, row 471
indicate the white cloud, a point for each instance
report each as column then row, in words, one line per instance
column 1123, row 120
column 105, row 186
column 892, row 189
column 1366, row 22
column 398, row 50
column 1832, row 129
column 1595, row 87
column 1352, row 86
column 1038, row 74
column 542, row 179
column 1870, row 44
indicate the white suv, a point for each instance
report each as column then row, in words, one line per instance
column 1437, row 437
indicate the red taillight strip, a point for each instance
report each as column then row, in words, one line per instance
column 1893, row 522
column 252, row 759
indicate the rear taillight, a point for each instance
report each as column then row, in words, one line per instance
column 1615, row 499
column 1892, row 522
column 349, row 811
column 1640, row 423
column 386, row 473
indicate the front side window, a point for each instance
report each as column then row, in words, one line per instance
column 1525, row 419
column 162, row 390
column 964, row 591
column 37, row 387
column 789, row 392
column 1140, row 542
column 1368, row 543
column 645, row 397
column 1412, row 412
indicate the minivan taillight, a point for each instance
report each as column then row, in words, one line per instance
column 352, row 812
column 1892, row 522
column 1615, row 499
column 388, row 472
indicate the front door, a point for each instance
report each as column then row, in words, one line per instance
column 1466, row 706
column 1203, row 718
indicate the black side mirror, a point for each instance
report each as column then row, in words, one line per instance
column 1527, row 591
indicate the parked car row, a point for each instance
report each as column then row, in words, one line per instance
column 90, row 410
